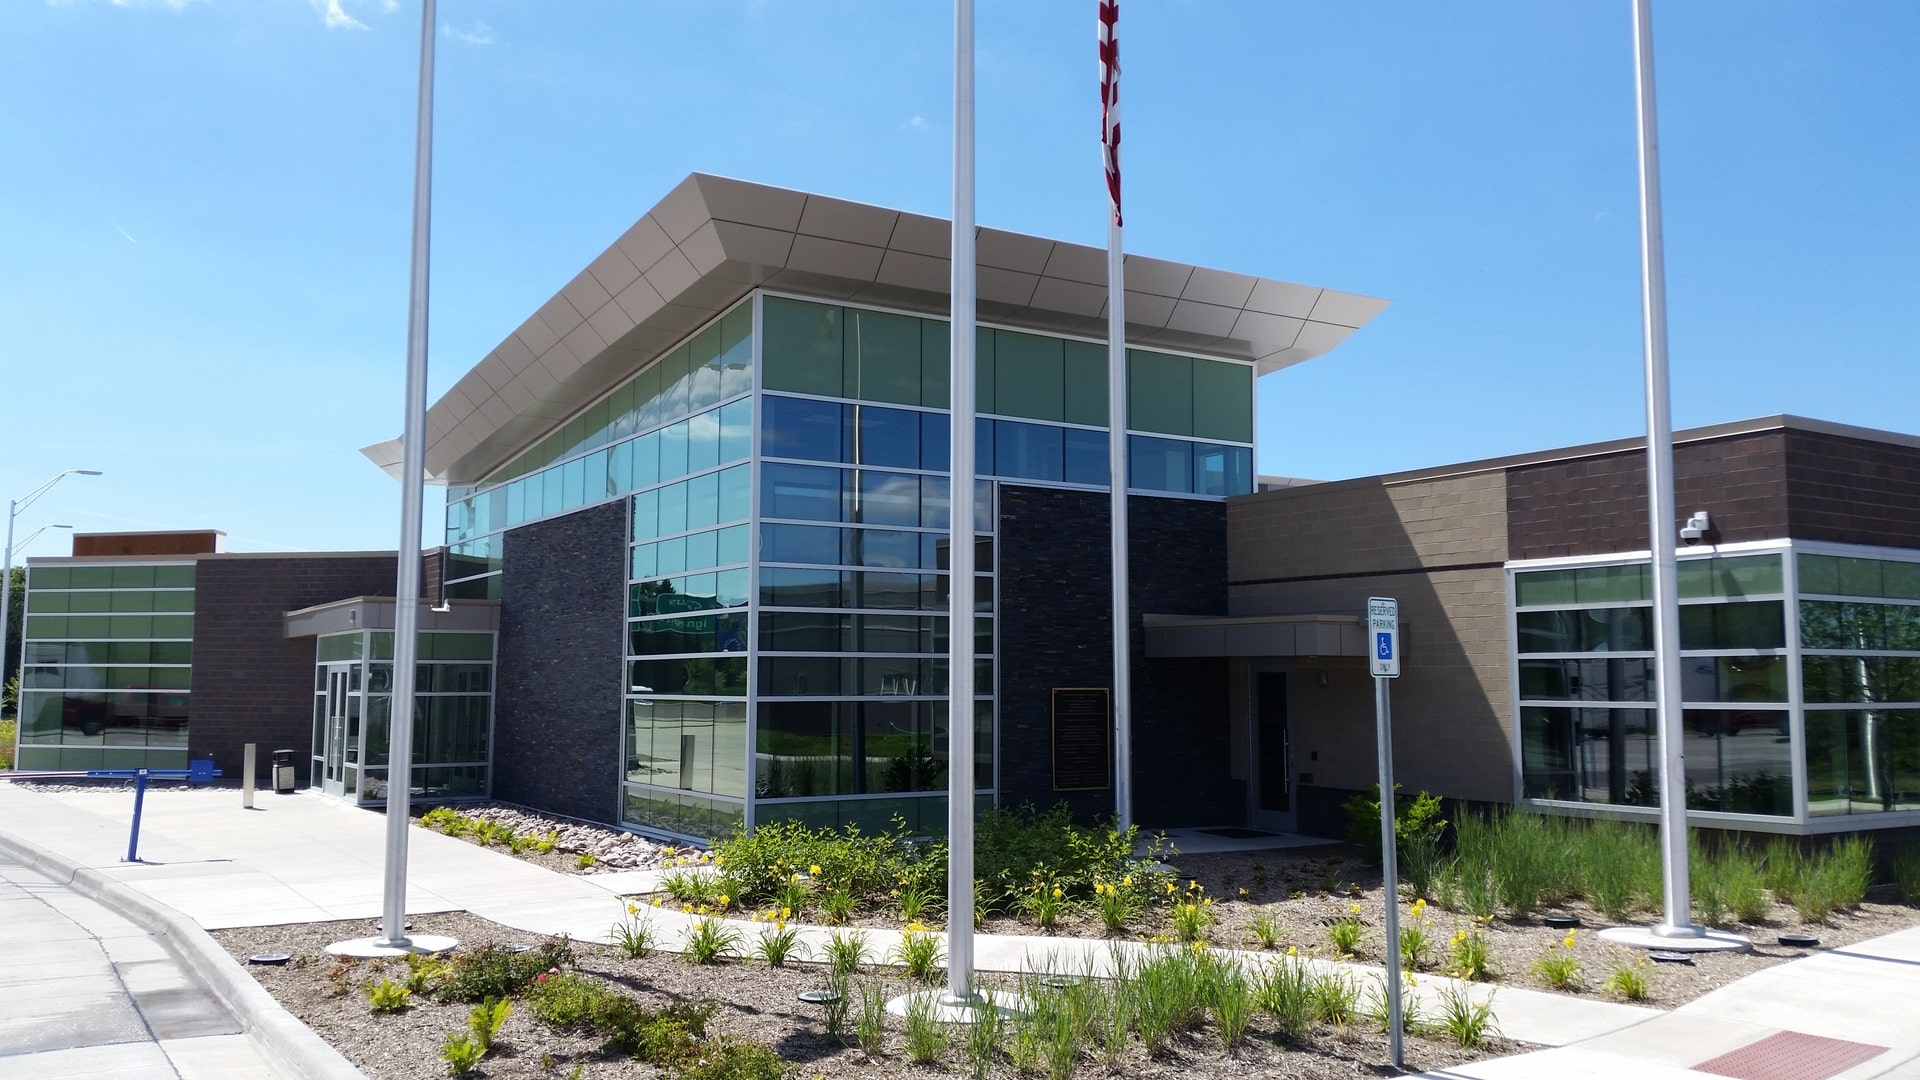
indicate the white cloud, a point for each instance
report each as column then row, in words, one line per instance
column 477, row 34
column 917, row 123
column 336, row 17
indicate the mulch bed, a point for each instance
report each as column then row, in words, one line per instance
column 754, row 1001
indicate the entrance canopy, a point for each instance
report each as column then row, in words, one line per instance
column 1254, row 635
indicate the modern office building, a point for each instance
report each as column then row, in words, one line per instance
column 696, row 563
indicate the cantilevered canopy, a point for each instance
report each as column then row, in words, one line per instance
column 712, row 240
column 1254, row 635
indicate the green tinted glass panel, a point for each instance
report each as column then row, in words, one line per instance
column 51, row 603
column 704, row 369
column 736, row 351
column 1029, row 377
column 92, row 577
column 936, row 357
column 456, row 646
column 675, row 368
column 985, row 359
column 1750, row 625
column 1612, row 584
column 1541, row 587
column 1159, row 393
column 1086, row 383
column 1900, row 580
column 802, row 347
column 55, row 577
column 339, row 647
column 133, row 577
column 646, row 397
column 382, row 645
column 882, row 357
column 1223, row 401
column 1751, row 575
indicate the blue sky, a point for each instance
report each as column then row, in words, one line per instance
column 205, row 208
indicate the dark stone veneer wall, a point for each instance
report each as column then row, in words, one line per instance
column 558, row 696
column 1055, row 630
column 251, row 683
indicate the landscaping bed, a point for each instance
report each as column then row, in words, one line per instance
column 757, row 1003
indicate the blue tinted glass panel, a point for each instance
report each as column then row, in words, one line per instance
column 800, row 544
column 704, row 368
column 730, row 590
column 886, row 436
column 670, row 556
column 1086, row 454
column 801, row 428
column 936, row 441
column 736, row 430
column 703, row 441
column 646, row 460
column 1160, row 464
column 887, row 498
column 1222, row 470
column 645, row 562
column 733, row 544
column 785, row 586
column 703, row 501
column 673, row 451
column 703, row 550
column 1031, row 451
column 806, row 492
column 646, row 515
column 736, row 490
column 885, row 547
column 736, row 351
column 673, row 508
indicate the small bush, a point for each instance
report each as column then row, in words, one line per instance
column 1192, row 914
column 1467, row 954
column 837, row 905
column 486, row 1019
column 845, row 953
column 1416, row 940
column 1116, row 903
column 1344, row 934
column 777, row 943
column 728, row 1058
column 1622, row 867
column 461, row 1053
column 1336, row 997
column 1416, row 819
column 919, row 952
column 498, row 972
column 711, row 941
column 1230, row 999
column 870, row 1027
column 1289, row 993
column 387, row 996
column 926, row 1036
column 1045, row 901
column 1267, row 928
column 585, row 860
column 634, row 935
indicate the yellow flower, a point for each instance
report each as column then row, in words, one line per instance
column 786, row 913
column 656, row 901
column 1056, row 892
column 814, row 869
column 633, row 909
column 1355, row 908
column 1291, row 951
column 725, row 899
column 1169, row 888
column 1569, row 942
column 1128, row 880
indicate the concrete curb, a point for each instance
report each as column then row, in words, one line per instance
column 292, row 1047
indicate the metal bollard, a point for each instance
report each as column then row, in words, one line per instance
column 246, row 773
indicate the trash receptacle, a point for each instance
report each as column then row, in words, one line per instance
column 283, row 772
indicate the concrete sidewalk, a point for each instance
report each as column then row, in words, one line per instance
column 91, row 994
column 301, row 858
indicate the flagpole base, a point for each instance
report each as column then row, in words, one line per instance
column 1690, row 939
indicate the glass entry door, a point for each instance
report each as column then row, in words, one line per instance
column 1271, row 793
column 340, row 757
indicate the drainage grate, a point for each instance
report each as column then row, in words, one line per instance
column 1791, row 1055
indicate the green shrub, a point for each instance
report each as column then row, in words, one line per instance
column 728, row 1058
column 8, row 729
column 668, row 1036
column 1289, row 992
column 1416, row 822
column 1906, row 876
column 1468, row 1022
column 1622, row 867
column 498, row 972
column 1727, row 881
column 461, row 1053
column 388, row 996
column 486, row 1019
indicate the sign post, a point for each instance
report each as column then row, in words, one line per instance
column 1383, row 652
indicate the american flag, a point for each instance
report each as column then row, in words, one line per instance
column 1110, row 98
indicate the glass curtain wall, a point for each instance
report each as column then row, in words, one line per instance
column 1586, row 676
column 1860, row 677
column 787, row 629
column 453, row 713
column 107, row 660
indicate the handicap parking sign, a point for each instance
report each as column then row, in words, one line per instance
column 1383, row 622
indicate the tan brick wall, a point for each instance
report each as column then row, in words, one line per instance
column 1365, row 526
column 1450, row 719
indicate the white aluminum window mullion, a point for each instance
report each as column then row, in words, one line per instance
column 1796, row 693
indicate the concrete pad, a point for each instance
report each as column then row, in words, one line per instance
column 1565, row 1063
column 1680, row 1041
column 174, row 1005
column 129, row 1061
column 216, row 1057
column 77, row 1012
column 1645, row 937
column 625, row 882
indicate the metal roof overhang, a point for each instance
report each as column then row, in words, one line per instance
column 377, row 612
column 712, row 240
column 1254, row 635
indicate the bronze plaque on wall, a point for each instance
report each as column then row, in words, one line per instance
column 1082, row 739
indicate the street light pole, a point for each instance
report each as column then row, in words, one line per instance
column 6, row 562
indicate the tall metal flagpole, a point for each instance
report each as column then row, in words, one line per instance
column 1117, row 418
column 960, row 707
column 1660, row 503
column 413, row 467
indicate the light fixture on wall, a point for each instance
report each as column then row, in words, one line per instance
column 1322, row 678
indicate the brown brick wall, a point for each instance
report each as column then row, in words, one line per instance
column 1852, row 491
column 250, row 682
column 1598, row 505
column 1367, row 526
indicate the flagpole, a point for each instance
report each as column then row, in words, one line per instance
column 1117, row 418
column 413, row 467
column 1660, row 502
column 960, row 706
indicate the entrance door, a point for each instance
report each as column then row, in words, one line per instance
column 1271, row 795
column 338, row 755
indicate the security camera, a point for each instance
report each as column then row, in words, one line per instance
column 1696, row 527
